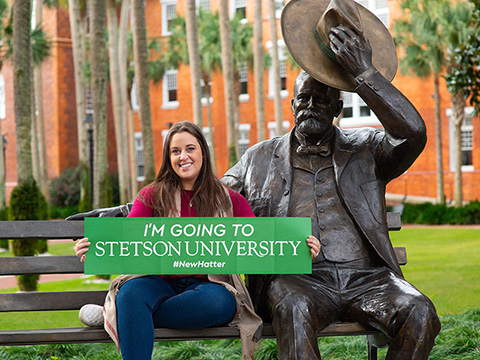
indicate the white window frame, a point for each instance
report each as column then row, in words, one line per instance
column 167, row 104
column 234, row 7
column 203, row 4
column 3, row 99
column 282, row 57
column 204, row 99
column 243, row 129
column 134, row 96
column 138, row 143
column 242, row 71
column 272, row 128
column 279, row 5
column 465, row 127
column 166, row 16
column 379, row 8
column 357, row 120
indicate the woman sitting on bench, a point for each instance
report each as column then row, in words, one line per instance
column 185, row 186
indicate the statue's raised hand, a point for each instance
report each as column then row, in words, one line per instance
column 352, row 50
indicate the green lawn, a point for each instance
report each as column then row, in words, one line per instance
column 443, row 263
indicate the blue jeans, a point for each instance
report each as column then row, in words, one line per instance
column 151, row 302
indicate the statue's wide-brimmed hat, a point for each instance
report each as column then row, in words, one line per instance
column 306, row 25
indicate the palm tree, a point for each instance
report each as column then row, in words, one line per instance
column 78, row 30
column 119, row 115
column 420, row 38
column 99, row 62
column 258, row 60
column 276, row 68
column 142, row 81
column 228, row 76
column 194, row 57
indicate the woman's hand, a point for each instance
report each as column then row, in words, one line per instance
column 81, row 247
column 314, row 244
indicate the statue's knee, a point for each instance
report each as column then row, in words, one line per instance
column 424, row 313
column 293, row 306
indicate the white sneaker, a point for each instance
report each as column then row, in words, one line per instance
column 91, row 315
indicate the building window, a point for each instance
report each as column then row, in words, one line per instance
column 169, row 12
column 243, row 138
column 282, row 57
column 243, row 78
column 279, row 5
column 170, row 90
column 203, row 4
column 272, row 128
column 379, row 8
column 466, row 140
column 2, row 98
column 140, row 158
column 355, row 112
column 204, row 93
column 134, row 96
column 238, row 8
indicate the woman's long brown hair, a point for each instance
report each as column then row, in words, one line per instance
column 209, row 194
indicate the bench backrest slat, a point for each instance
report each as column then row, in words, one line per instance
column 41, row 229
column 23, row 265
column 50, row 301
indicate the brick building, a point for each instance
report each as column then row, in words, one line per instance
column 171, row 102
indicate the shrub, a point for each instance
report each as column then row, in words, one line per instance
column 436, row 214
column 65, row 189
column 27, row 203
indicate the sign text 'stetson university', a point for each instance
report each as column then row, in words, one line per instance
column 197, row 245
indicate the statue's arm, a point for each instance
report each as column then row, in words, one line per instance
column 404, row 127
column 234, row 178
column 116, row 211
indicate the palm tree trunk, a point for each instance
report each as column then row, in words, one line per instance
column 78, row 30
column 276, row 69
column 438, row 138
column 3, row 196
column 143, row 82
column 458, row 107
column 22, row 87
column 43, row 173
column 258, row 60
column 194, row 56
column 123, row 66
column 117, row 100
column 34, row 128
column 228, row 76
column 206, row 80
column 99, row 60
column 133, row 155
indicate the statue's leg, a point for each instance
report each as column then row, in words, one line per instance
column 382, row 299
column 299, row 310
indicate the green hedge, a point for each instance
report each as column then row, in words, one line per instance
column 433, row 214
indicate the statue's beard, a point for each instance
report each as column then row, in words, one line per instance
column 312, row 124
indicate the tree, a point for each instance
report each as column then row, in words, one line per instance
column 119, row 113
column 228, row 76
column 276, row 68
column 456, row 20
column 3, row 198
column 258, row 60
column 78, row 30
column 99, row 62
column 194, row 57
column 418, row 35
column 143, row 83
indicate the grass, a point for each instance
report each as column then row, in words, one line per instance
column 442, row 263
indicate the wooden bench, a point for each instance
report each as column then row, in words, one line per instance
column 74, row 300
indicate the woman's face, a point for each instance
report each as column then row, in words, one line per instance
column 186, row 158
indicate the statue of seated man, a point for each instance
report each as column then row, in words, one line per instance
column 337, row 178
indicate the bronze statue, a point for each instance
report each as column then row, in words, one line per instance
column 337, row 178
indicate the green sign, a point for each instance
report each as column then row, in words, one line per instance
column 192, row 246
